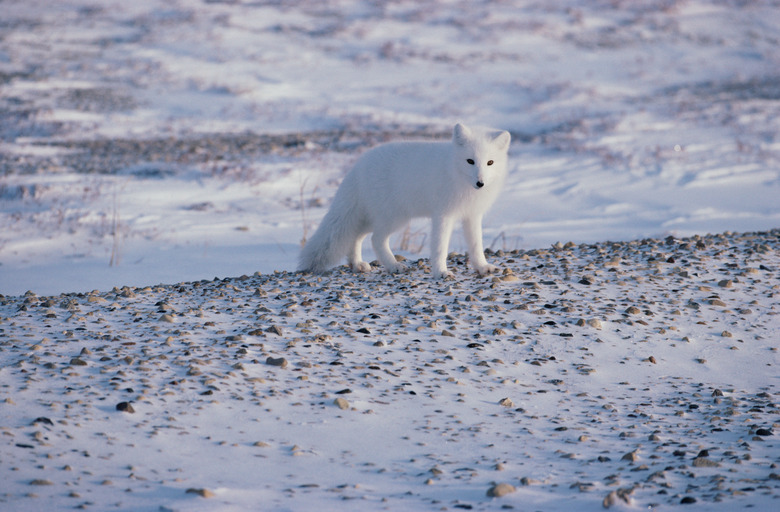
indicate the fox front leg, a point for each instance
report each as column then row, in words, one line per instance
column 472, row 229
column 441, row 231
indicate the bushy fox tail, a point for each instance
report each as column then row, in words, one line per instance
column 334, row 236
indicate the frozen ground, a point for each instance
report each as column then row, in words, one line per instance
column 158, row 141
column 640, row 376
column 163, row 141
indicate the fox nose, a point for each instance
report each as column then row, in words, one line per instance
column 479, row 184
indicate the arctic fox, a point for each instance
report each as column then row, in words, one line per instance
column 393, row 183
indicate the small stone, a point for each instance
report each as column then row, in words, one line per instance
column 500, row 490
column 447, row 333
column 77, row 362
column 275, row 329
column 652, row 359
column 167, row 318
column 633, row 310
column 614, row 497
column 341, row 403
column 277, row 361
column 203, row 493
column 688, row 500
column 41, row 481
column 717, row 302
column 125, row 407
column 764, row 432
column 630, row 456
column 726, row 283
column 726, row 334
column 595, row 323
column 703, row 462
column 506, row 402
column 260, row 444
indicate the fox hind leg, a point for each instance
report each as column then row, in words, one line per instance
column 355, row 256
column 381, row 243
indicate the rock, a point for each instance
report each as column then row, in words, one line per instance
column 277, row 361
column 341, row 403
column 125, row 407
column 500, row 490
column 726, row 283
column 595, row 323
column 275, row 329
column 167, row 318
column 620, row 495
column 41, row 481
column 630, row 456
column 633, row 310
column 77, row 362
column 688, row 500
column 203, row 493
column 506, row 402
column 703, row 462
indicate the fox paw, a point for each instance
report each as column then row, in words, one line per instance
column 443, row 274
column 396, row 269
column 487, row 269
column 360, row 266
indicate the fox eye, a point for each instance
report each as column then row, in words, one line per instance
column 490, row 162
column 470, row 161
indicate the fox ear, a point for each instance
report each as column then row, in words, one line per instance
column 502, row 140
column 461, row 134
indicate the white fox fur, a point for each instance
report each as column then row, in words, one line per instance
column 393, row 183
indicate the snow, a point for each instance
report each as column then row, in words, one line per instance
column 163, row 141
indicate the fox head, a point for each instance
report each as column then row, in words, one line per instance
column 480, row 154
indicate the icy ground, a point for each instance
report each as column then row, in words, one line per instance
column 640, row 376
column 157, row 141
column 165, row 141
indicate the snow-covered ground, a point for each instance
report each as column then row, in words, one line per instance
column 167, row 141
column 640, row 376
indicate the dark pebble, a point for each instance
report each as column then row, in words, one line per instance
column 125, row 407
column 277, row 361
column 764, row 432
column 687, row 500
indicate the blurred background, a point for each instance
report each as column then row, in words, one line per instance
column 163, row 141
